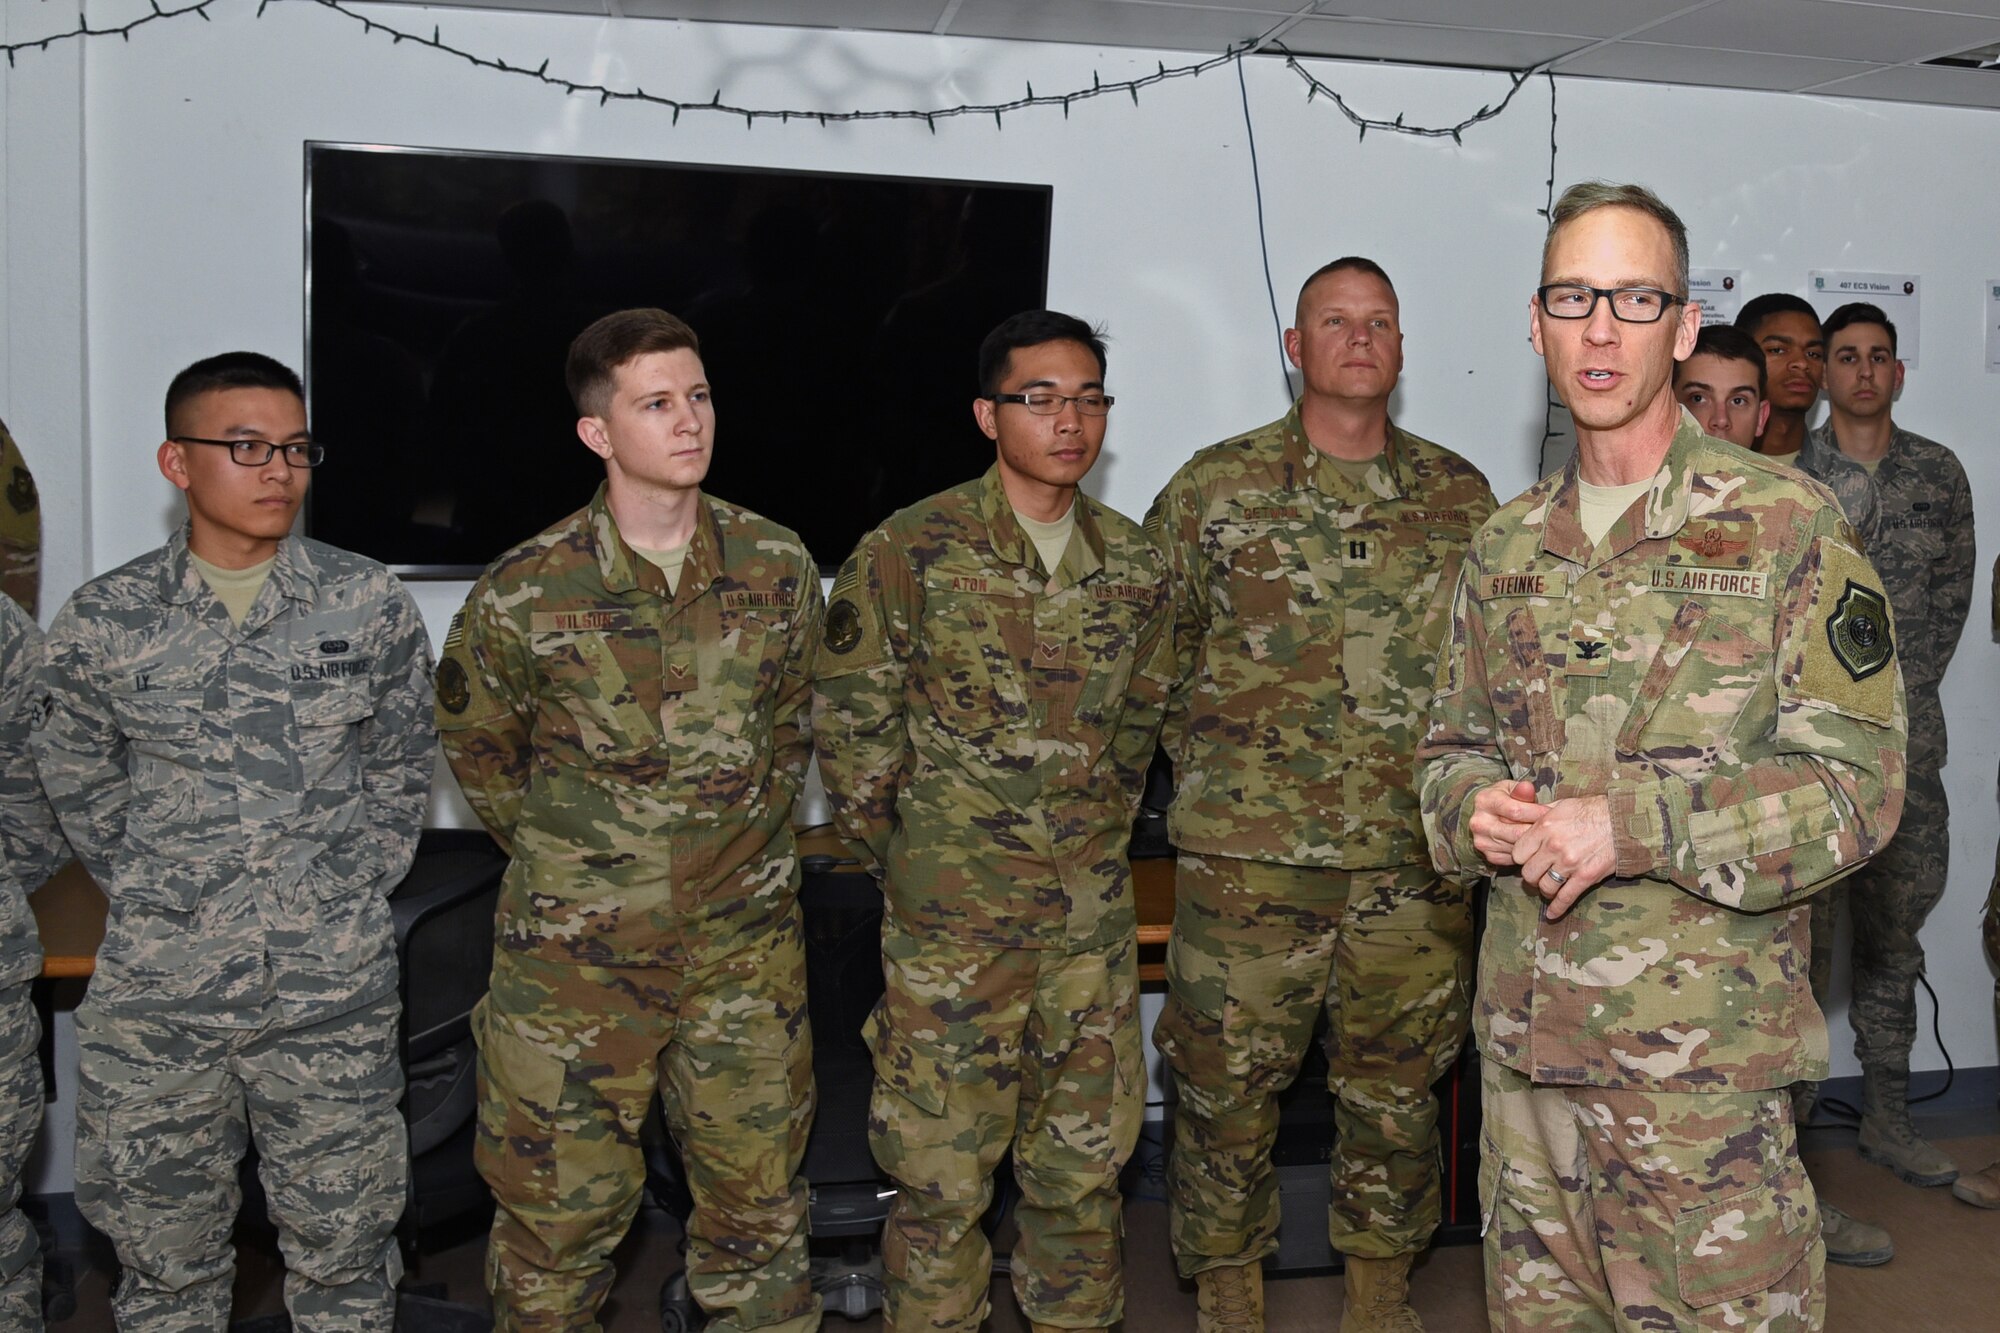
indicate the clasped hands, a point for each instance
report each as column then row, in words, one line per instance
column 1563, row 849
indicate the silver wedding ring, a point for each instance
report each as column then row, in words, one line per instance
column 1558, row 877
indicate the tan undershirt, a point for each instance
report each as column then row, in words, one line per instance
column 236, row 589
column 1050, row 539
column 1871, row 463
column 1789, row 460
column 667, row 560
column 1598, row 507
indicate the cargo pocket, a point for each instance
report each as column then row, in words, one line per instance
column 329, row 753
column 162, row 732
column 1489, row 1184
column 136, row 1158
column 1745, row 1244
column 909, row 1124
column 520, row 1091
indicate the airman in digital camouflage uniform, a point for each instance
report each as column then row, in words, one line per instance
column 31, row 849
column 624, row 699
column 1667, row 712
column 1722, row 387
column 1313, row 562
column 1925, row 554
column 20, row 527
column 1981, row 1188
column 989, row 694
column 238, row 741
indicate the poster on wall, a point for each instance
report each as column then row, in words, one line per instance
column 1719, row 293
column 1993, row 326
column 1897, row 293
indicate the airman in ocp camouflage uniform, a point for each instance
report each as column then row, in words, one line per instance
column 989, row 694
column 20, row 527
column 624, row 699
column 1311, row 593
column 238, row 741
column 1981, row 1188
column 1924, row 552
column 31, row 849
column 1666, row 713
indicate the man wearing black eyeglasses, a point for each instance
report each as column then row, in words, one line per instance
column 237, row 737
column 1668, row 711
column 989, row 691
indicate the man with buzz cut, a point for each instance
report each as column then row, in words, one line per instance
column 1787, row 328
column 1313, row 563
column 238, row 741
column 1722, row 386
column 989, row 695
column 1925, row 553
column 1667, row 712
column 624, row 699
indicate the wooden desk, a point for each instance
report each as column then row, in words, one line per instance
column 1153, row 892
column 69, row 913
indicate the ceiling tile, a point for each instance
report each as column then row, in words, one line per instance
column 1923, row 83
column 1650, row 62
column 881, row 15
column 1585, row 18
column 1871, row 33
column 598, row 7
column 1173, row 27
column 1986, row 8
column 1426, row 45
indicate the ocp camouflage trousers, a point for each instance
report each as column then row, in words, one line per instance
column 164, row 1113
column 1644, row 1212
column 20, row 1119
column 977, row 1049
column 1889, row 899
column 569, row 1060
column 1258, row 950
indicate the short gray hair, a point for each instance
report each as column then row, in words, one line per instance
column 1588, row 196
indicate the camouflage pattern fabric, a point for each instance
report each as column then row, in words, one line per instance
column 569, row 1060
column 1644, row 1211
column 1990, row 924
column 20, row 528
column 246, row 795
column 984, row 729
column 31, row 849
column 21, row 1094
column 1850, row 483
column 1259, row 948
column 978, row 1048
column 1722, row 668
column 1307, row 616
column 637, row 750
column 1925, row 555
column 1888, row 900
column 164, row 1110
column 985, row 724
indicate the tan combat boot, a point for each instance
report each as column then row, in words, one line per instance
column 1851, row 1241
column 1229, row 1298
column 1981, row 1189
column 1378, row 1296
column 1889, row 1139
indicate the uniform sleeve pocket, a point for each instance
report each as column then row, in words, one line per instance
column 918, row 1071
column 528, row 1080
column 1745, row 1243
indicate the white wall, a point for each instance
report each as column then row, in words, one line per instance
column 191, row 223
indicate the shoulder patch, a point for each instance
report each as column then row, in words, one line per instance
column 454, row 690
column 1858, row 629
column 850, row 640
column 1844, row 649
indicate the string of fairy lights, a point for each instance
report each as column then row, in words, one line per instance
column 1316, row 89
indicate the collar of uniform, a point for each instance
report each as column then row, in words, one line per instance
column 1818, row 454
column 1890, row 462
column 1011, row 545
column 1388, row 478
column 294, row 573
column 1660, row 512
column 623, row 570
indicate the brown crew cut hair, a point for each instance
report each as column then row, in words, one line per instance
column 622, row 336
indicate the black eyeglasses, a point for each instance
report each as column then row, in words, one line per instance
column 1049, row 404
column 1629, row 305
column 256, row 453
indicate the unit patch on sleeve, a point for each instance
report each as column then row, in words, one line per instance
column 1858, row 629
column 454, row 691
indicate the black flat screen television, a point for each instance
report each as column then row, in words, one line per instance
column 839, row 316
